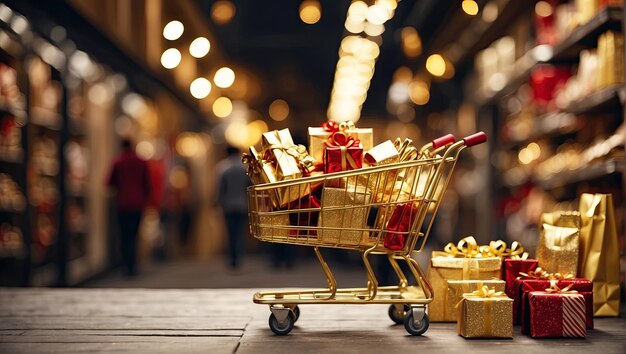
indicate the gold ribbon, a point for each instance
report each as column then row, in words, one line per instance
column 252, row 161
column 469, row 248
column 540, row 273
column 554, row 288
column 406, row 150
column 299, row 152
column 484, row 291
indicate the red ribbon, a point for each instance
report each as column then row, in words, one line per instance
column 330, row 126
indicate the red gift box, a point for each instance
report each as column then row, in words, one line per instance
column 522, row 286
column 511, row 269
column 400, row 222
column 555, row 315
column 304, row 218
column 342, row 153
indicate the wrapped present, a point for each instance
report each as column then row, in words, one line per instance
column 399, row 225
column 599, row 261
column 458, row 262
column 511, row 268
column 485, row 313
column 539, row 280
column 559, row 242
column 454, row 293
column 382, row 153
column 304, row 214
column 271, row 225
column 342, row 153
column 555, row 313
column 319, row 135
column 344, row 215
column 280, row 160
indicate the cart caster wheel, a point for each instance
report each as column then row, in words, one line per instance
column 413, row 327
column 284, row 328
column 397, row 317
column 296, row 312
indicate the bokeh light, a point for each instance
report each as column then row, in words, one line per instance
column 200, row 88
column 224, row 77
column 470, row 7
column 436, row 65
column 222, row 107
column 170, row 58
column 173, row 30
column 222, row 12
column 310, row 11
column 199, row 47
column 279, row 110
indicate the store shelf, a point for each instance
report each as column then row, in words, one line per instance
column 586, row 36
column 605, row 100
column 519, row 74
column 587, row 173
column 548, row 125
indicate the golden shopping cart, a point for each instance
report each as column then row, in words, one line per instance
column 385, row 210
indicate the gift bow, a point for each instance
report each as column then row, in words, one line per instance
column 252, row 161
column 406, row 150
column 343, row 141
column 484, row 291
column 469, row 248
column 540, row 273
column 332, row 126
column 554, row 288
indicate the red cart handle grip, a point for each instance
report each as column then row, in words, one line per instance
column 475, row 139
column 443, row 141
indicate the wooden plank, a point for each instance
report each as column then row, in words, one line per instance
column 213, row 347
column 126, row 332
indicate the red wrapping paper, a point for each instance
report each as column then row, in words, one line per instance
column 400, row 222
column 511, row 269
column 555, row 315
column 304, row 218
column 522, row 286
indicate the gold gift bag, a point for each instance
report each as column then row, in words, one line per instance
column 344, row 215
column 442, row 269
column 454, row 294
column 599, row 261
column 559, row 242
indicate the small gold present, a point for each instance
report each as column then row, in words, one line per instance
column 344, row 215
column 319, row 135
column 454, row 293
column 485, row 313
column 559, row 242
column 382, row 153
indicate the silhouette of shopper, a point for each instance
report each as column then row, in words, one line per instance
column 130, row 178
column 232, row 182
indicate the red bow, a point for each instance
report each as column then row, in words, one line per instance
column 330, row 126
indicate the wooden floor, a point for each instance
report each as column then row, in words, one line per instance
column 226, row 321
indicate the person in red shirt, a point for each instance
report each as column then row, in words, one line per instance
column 130, row 178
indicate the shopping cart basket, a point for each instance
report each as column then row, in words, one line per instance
column 385, row 210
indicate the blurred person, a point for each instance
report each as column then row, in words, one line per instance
column 232, row 182
column 130, row 178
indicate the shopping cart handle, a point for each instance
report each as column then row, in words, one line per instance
column 475, row 139
column 443, row 141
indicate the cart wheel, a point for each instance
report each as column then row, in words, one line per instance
column 415, row 328
column 281, row 329
column 397, row 317
column 296, row 312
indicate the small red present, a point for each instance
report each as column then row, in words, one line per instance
column 304, row 212
column 524, row 285
column 342, row 153
column 555, row 313
column 399, row 222
column 511, row 269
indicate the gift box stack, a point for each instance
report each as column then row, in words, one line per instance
column 318, row 210
column 574, row 278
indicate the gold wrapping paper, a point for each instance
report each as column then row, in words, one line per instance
column 270, row 227
column 559, row 242
column 454, row 293
column 443, row 269
column 382, row 153
column 485, row 317
column 318, row 137
column 344, row 208
column 599, row 261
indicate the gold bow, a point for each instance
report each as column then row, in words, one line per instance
column 516, row 251
column 484, row 291
column 540, row 273
column 406, row 150
column 469, row 248
column 554, row 288
column 253, row 162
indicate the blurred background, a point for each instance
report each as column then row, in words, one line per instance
column 184, row 79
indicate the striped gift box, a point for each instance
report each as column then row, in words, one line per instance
column 556, row 315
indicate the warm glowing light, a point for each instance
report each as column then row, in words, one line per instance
column 199, row 47
column 222, row 12
column 470, row 7
column 490, row 12
column 419, row 92
column 411, row 42
column 358, row 11
column 354, row 26
column 170, row 58
column 535, row 150
column 189, row 144
column 403, row 74
column 436, row 65
column 543, row 9
column 145, row 149
column 310, row 11
column 377, row 14
column 134, row 105
column 178, row 178
column 279, row 110
column 200, row 88
column 173, row 30
column 525, row 156
column 224, row 77
column 237, row 134
column 374, row 30
column 222, row 107
column 255, row 131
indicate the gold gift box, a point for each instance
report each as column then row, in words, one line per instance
column 344, row 215
column 559, row 242
column 274, row 226
column 278, row 142
column 485, row 317
column 454, row 293
column 442, row 269
column 318, row 137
